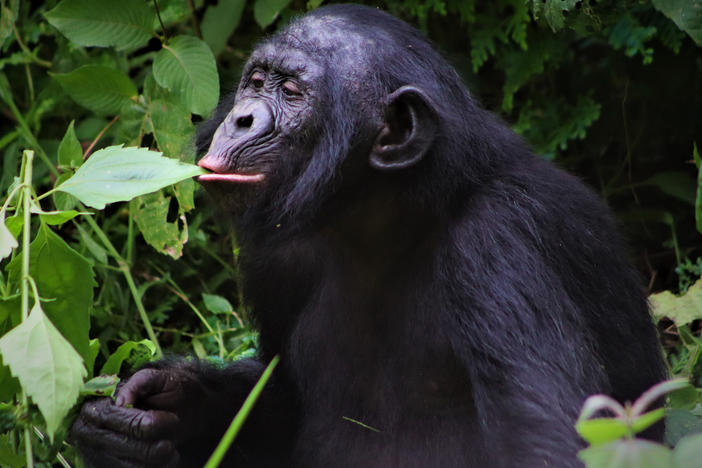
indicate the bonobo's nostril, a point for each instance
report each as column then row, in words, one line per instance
column 244, row 122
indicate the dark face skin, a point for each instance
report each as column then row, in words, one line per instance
column 270, row 117
column 282, row 132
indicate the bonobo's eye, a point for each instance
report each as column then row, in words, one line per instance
column 290, row 88
column 258, row 79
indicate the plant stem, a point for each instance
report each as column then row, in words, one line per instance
column 28, row 157
column 124, row 268
column 26, row 132
column 235, row 426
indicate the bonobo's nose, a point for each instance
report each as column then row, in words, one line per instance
column 249, row 121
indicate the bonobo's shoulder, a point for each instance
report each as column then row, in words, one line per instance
column 532, row 199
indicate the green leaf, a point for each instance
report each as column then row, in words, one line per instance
column 70, row 153
column 686, row 14
column 102, row 385
column 688, row 452
column 65, row 277
column 150, row 214
column 646, row 420
column 93, row 247
column 47, row 366
column 186, row 66
column 220, row 21
column 216, row 304
column 62, row 200
column 680, row 309
column 103, row 90
column 8, row 454
column 698, row 196
column 7, row 240
column 126, row 24
column 634, row 453
column 266, row 11
column 172, row 129
column 680, row 423
column 125, row 351
column 119, row 174
column 601, row 430
column 677, row 184
column 552, row 11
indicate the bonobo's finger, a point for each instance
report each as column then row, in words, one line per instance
column 141, row 385
column 132, row 422
column 104, row 448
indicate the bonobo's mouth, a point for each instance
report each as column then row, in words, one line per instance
column 218, row 176
column 235, row 178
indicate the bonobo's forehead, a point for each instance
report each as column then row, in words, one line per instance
column 315, row 40
column 288, row 60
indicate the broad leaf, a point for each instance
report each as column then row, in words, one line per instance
column 135, row 352
column 600, row 430
column 220, row 21
column 216, row 304
column 102, row 385
column 67, row 279
column 552, row 11
column 7, row 240
column 186, row 66
column 70, row 153
column 103, row 90
column 680, row 309
column 686, row 14
column 119, row 174
column 47, row 366
column 126, row 24
column 634, row 453
column 150, row 214
column 688, row 452
column 266, row 11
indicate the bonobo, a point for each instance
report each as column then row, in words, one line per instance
column 439, row 295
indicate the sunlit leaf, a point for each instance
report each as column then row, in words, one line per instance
column 120, row 174
column 7, row 240
column 633, row 453
column 47, row 366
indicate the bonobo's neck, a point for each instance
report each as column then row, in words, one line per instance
column 377, row 225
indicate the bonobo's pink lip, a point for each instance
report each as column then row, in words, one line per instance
column 213, row 163
column 235, row 178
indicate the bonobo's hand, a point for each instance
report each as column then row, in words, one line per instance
column 153, row 413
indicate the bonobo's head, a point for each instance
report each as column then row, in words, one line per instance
column 345, row 100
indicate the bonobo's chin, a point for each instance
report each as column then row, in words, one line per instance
column 233, row 191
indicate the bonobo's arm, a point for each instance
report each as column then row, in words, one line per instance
column 173, row 413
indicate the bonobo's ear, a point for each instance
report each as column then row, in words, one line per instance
column 411, row 123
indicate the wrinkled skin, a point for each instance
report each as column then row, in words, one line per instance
column 416, row 267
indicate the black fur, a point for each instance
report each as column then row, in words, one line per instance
column 463, row 308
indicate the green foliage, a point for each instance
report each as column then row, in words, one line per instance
column 186, row 66
column 686, row 14
column 119, row 174
column 49, row 369
column 126, row 24
column 101, row 89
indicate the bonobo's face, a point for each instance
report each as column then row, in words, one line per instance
column 269, row 132
column 310, row 114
